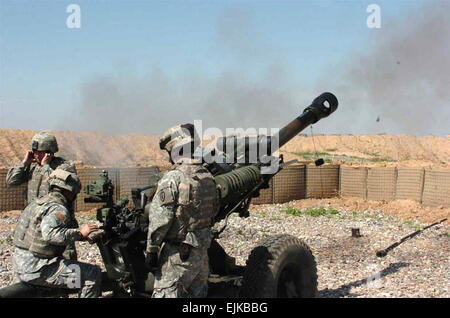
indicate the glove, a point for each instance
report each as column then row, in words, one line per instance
column 151, row 261
column 95, row 236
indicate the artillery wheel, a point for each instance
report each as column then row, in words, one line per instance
column 280, row 266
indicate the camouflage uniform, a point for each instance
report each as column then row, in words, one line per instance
column 40, row 237
column 180, row 219
column 37, row 176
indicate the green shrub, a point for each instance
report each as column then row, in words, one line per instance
column 311, row 212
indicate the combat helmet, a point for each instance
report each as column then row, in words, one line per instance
column 178, row 135
column 65, row 180
column 43, row 141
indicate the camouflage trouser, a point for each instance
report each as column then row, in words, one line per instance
column 72, row 275
column 178, row 279
column 69, row 253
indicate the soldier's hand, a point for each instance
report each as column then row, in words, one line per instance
column 47, row 159
column 151, row 261
column 95, row 236
column 28, row 158
column 87, row 229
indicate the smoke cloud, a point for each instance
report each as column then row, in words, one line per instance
column 400, row 85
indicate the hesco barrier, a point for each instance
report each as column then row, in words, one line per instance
column 436, row 189
column 353, row 182
column 381, row 184
column 265, row 195
column 123, row 180
column 134, row 178
column 410, row 183
column 322, row 182
column 429, row 186
column 289, row 184
column 286, row 186
column 11, row 198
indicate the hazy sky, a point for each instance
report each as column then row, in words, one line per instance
column 142, row 66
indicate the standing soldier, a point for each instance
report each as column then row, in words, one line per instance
column 44, row 229
column 181, row 216
column 36, row 167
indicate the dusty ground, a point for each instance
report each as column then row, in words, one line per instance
column 407, row 210
column 347, row 266
column 102, row 149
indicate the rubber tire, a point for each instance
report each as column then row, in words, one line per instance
column 280, row 266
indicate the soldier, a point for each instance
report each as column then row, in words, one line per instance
column 35, row 168
column 43, row 231
column 37, row 165
column 180, row 220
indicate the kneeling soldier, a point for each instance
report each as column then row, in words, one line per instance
column 44, row 230
column 37, row 165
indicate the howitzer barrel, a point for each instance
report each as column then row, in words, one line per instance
column 321, row 107
column 244, row 182
column 312, row 114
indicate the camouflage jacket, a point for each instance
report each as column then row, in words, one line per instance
column 36, row 176
column 183, row 208
column 53, row 226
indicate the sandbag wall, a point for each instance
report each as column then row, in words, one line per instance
column 322, row 182
column 123, row 179
column 430, row 187
column 11, row 198
column 134, row 178
column 298, row 182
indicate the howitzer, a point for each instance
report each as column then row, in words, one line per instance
column 237, row 183
column 122, row 248
column 282, row 266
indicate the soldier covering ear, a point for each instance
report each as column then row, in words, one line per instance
column 35, row 169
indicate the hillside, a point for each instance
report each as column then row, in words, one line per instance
column 102, row 149
column 370, row 150
column 87, row 148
